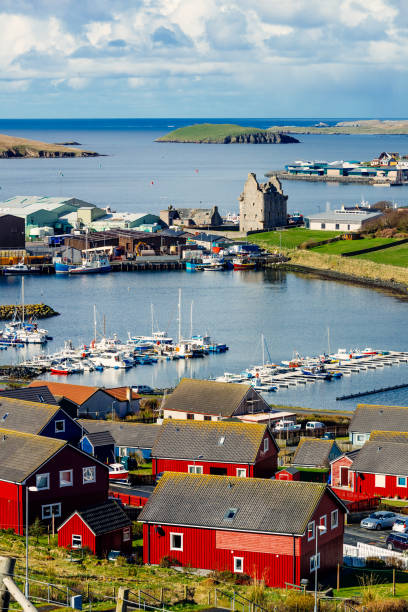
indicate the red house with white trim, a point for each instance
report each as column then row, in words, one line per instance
column 222, row 448
column 100, row 528
column 260, row 527
column 65, row 477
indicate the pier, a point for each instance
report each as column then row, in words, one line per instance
column 372, row 392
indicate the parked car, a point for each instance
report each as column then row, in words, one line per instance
column 143, row 389
column 397, row 541
column 287, row 426
column 379, row 520
column 312, row 425
column 401, row 525
column 328, row 436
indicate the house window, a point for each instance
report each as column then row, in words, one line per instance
column 41, row 398
column 314, row 562
column 66, row 478
column 241, row 472
column 207, row 417
column 311, row 531
column 266, row 445
column 88, row 474
column 323, row 523
column 380, row 480
column 323, row 226
column 76, row 541
column 48, row 510
column 239, row 564
column 126, row 534
column 361, row 438
column 190, row 417
column 334, row 519
column 337, row 226
column 176, row 541
column 42, row 481
column 195, row 469
column 401, row 481
column 60, row 426
column 230, row 514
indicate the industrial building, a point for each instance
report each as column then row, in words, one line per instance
column 12, row 231
column 127, row 241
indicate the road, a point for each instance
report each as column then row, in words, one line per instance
column 354, row 533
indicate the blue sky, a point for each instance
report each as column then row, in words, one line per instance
column 210, row 58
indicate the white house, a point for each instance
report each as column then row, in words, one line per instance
column 348, row 220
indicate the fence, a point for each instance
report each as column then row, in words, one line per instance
column 356, row 556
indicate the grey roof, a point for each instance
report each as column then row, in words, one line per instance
column 28, row 417
column 211, row 440
column 105, row 517
column 369, row 417
column 21, row 454
column 136, row 435
column 262, row 505
column 209, row 397
column 380, row 457
column 100, row 438
column 41, row 395
column 290, row 470
column 345, row 217
column 314, row 452
column 389, row 436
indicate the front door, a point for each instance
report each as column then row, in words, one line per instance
column 344, row 476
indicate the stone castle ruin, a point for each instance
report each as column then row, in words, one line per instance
column 262, row 206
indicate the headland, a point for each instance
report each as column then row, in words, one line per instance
column 225, row 134
column 361, row 126
column 15, row 147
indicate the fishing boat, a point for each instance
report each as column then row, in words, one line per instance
column 243, row 263
column 21, row 268
column 63, row 369
column 118, row 472
column 92, row 266
column 213, row 267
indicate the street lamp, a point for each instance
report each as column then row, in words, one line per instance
column 32, row 490
column 323, row 529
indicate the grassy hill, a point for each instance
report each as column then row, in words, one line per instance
column 13, row 146
column 364, row 126
column 224, row 134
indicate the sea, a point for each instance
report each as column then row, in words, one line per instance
column 293, row 312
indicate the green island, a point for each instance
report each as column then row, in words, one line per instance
column 305, row 249
column 362, row 126
column 37, row 311
column 225, row 134
column 15, row 147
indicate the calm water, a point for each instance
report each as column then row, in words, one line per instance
column 292, row 311
column 123, row 179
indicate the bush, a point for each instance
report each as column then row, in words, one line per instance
column 302, row 602
column 168, row 561
column 137, row 530
column 387, row 605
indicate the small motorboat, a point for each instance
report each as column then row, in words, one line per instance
column 118, row 472
column 243, row 263
column 21, row 268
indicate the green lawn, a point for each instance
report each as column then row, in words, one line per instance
column 396, row 256
column 291, row 238
column 345, row 246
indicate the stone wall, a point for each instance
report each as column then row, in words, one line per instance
column 262, row 206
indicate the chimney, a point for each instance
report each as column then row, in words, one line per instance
column 129, row 394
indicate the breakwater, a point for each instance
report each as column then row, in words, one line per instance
column 371, row 392
column 38, row 311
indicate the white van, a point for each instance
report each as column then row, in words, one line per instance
column 312, row 425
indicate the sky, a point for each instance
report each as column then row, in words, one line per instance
column 203, row 58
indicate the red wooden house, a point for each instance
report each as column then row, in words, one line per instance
column 65, row 477
column 100, row 528
column 381, row 466
column 260, row 527
column 341, row 471
column 215, row 447
column 288, row 473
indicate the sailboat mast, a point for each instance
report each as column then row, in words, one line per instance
column 328, row 339
column 263, row 349
column 191, row 319
column 22, row 298
column 179, row 317
column 94, row 322
column 152, row 313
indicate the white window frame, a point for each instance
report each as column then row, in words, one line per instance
column 361, row 437
column 334, row 519
column 236, row 569
column 381, row 477
column 48, row 515
column 75, row 535
column 323, row 523
column 175, row 533
column 66, row 483
column 402, row 485
column 63, row 426
column 84, row 469
column 195, row 469
column 48, row 481
column 313, row 563
column 241, row 473
column 126, row 534
column 311, row 527
column 266, row 445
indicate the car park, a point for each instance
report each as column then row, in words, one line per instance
column 379, row 520
column 287, row 426
column 401, row 524
column 397, row 541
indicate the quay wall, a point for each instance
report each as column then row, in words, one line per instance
column 286, row 176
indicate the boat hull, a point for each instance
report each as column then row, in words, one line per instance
column 244, row 266
column 86, row 270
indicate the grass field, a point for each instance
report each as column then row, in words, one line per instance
column 345, row 246
column 397, row 256
column 291, row 238
column 210, row 132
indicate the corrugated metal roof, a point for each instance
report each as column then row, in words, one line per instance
column 214, row 440
column 346, row 217
column 262, row 505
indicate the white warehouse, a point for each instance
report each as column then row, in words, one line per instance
column 348, row 220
